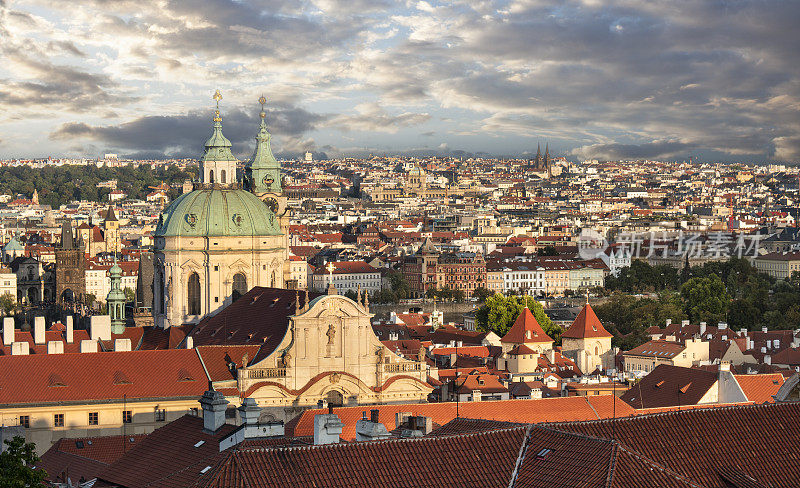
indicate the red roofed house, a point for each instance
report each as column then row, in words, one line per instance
column 98, row 393
column 588, row 343
column 526, row 330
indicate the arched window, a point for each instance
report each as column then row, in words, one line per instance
column 596, row 351
column 211, row 176
column 239, row 286
column 193, row 294
column 222, row 177
column 272, row 283
column 335, row 398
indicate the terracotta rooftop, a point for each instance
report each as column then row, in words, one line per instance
column 85, row 457
column 586, row 325
column 526, row 330
column 667, row 386
column 521, row 411
column 86, row 377
column 759, row 388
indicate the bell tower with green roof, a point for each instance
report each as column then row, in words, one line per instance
column 263, row 170
column 218, row 165
column 115, row 300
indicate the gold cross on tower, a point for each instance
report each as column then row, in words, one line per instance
column 217, row 97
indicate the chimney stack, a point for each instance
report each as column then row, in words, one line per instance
column 767, row 359
column 214, row 405
column 70, row 329
column 190, row 343
column 55, row 347
column 764, row 330
column 19, row 349
column 100, row 327
column 371, row 429
column 88, row 345
column 327, row 427
column 122, row 345
column 8, row 331
column 38, row 330
column 702, row 328
column 669, row 322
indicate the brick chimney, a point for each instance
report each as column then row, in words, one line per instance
column 70, row 330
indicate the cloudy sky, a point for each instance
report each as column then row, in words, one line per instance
column 716, row 79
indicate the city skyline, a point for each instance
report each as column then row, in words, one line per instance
column 606, row 80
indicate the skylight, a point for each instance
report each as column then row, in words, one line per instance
column 205, row 470
column 199, row 443
column 543, row 453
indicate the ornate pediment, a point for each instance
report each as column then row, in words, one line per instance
column 335, row 306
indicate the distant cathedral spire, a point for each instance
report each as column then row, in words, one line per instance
column 218, row 165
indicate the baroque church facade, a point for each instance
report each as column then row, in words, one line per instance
column 227, row 235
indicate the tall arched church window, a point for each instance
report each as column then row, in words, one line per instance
column 222, row 177
column 239, row 286
column 211, row 176
column 193, row 294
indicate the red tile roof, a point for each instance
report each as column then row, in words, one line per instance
column 523, row 411
column 586, row 325
column 85, row 457
column 709, row 444
column 168, row 456
column 95, row 376
column 667, row 386
column 526, row 330
column 221, row 360
column 759, row 388
column 658, row 349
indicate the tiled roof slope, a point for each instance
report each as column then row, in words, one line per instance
column 667, row 386
column 557, row 459
column 86, row 377
column 562, row 409
column 526, row 329
column 475, row 460
column 586, row 325
column 759, row 441
column 760, row 388
column 259, row 317
column 85, row 456
column 167, row 457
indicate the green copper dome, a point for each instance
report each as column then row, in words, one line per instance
column 217, row 212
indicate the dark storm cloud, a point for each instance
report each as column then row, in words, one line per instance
column 650, row 150
column 183, row 135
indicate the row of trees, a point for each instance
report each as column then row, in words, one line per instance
column 58, row 185
column 728, row 291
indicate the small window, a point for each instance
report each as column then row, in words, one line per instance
column 194, row 412
column 127, row 417
column 58, row 420
column 25, row 421
column 93, row 418
column 543, row 453
column 216, row 268
column 160, row 415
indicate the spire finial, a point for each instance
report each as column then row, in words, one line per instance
column 262, row 100
column 587, row 297
column 217, row 97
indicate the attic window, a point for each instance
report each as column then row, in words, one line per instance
column 543, row 453
column 121, row 379
column 660, row 384
column 55, row 380
column 205, row 470
column 79, row 444
column 200, row 443
column 527, row 334
column 184, row 375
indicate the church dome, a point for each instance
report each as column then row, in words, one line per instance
column 217, row 212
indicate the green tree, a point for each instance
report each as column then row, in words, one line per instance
column 481, row 293
column 16, row 465
column 705, row 299
column 130, row 295
column 351, row 294
column 8, row 303
column 499, row 312
column 547, row 251
column 398, row 284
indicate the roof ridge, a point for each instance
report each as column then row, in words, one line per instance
column 612, row 463
column 376, row 441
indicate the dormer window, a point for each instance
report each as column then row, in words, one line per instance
column 527, row 334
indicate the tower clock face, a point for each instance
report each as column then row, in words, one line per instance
column 272, row 203
column 269, row 180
